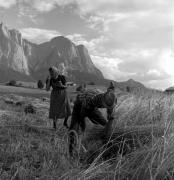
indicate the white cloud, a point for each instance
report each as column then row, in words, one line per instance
column 134, row 23
column 77, row 38
column 38, row 35
column 139, row 37
column 88, row 6
column 94, row 46
column 167, row 62
column 7, row 3
column 80, row 39
column 27, row 12
column 96, row 22
column 45, row 5
column 161, row 84
column 148, row 67
column 154, row 72
column 100, row 7
column 145, row 65
column 134, row 40
column 109, row 67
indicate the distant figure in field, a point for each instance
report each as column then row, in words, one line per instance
column 59, row 100
column 111, row 86
column 86, row 105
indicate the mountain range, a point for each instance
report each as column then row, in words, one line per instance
column 26, row 61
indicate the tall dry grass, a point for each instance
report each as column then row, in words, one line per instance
column 143, row 109
column 30, row 154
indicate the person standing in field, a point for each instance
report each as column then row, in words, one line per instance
column 59, row 100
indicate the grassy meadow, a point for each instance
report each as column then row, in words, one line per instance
column 31, row 150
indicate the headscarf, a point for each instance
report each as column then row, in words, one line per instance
column 54, row 70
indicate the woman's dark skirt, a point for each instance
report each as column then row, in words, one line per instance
column 59, row 104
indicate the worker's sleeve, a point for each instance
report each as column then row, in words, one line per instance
column 110, row 112
column 83, row 111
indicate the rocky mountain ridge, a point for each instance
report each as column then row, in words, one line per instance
column 24, row 60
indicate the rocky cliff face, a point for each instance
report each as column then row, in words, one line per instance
column 27, row 61
column 11, row 51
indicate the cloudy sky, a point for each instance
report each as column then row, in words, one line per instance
column 125, row 38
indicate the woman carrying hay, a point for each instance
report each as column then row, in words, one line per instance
column 59, row 101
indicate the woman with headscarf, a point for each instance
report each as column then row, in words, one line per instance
column 59, row 101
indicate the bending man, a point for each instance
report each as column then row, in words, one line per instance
column 86, row 105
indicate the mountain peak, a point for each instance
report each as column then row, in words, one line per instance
column 131, row 80
column 27, row 59
column 4, row 30
column 11, row 34
column 61, row 39
column 81, row 46
column 1, row 24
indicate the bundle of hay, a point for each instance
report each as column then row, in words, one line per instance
column 30, row 109
column 97, row 132
column 8, row 101
column 19, row 103
column 120, row 140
